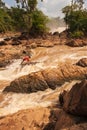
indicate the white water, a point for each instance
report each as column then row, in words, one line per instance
column 59, row 29
column 45, row 58
column 15, row 102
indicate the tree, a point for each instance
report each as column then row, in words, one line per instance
column 39, row 21
column 2, row 4
column 5, row 21
column 76, row 17
column 30, row 7
column 80, row 4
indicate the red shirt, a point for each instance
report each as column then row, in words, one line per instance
column 26, row 58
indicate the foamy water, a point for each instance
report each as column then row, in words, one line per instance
column 43, row 58
column 59, row 29
column 15, row 102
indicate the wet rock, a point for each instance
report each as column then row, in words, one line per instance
column 16, row 43
column 75, row 101
column 32, row 119
column 49, row 78
column 27, row 84
column 61, row 97
column 60, row 120
column 7, row 38
column 77, row 43
column 56, row 33
column 2, row 43
column 82, row 62
column 4, row 63
column 81, row 126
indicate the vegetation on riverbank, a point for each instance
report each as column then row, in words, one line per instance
column 20, row 19
column 25, row 17
column 76, row 18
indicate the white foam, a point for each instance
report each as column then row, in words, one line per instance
column 15, row 102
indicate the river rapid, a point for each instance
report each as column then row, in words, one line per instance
column 42, row 58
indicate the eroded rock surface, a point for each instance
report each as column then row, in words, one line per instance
column 73, row 116
column 82, row 126
column 82, row 62
column 33, row 119
column 60, row 120
column 75, row 101
column 49, row 78
column 77, row 42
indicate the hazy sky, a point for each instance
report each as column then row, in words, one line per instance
column 51, row 8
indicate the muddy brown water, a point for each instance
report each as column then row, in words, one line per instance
column 44, row 58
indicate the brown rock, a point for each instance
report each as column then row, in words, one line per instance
column 82, row 126
column 2, row 43
column 75, row 101
column 82, row 62
column 49, row 78
column 77, row 43
column 32, row 119
column 60, row 120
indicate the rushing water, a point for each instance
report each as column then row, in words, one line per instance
column 42, row 58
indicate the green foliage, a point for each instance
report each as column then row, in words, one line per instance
column 77, row 34
column 17, row 19
column 19, row 16
column 76, row 18
column 77, row 21
column 39, row 21
column 5, row 21
column 30, row 7
column 27, row 18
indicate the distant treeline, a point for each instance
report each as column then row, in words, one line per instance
column 17, row 19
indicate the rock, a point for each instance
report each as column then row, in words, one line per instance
column 27, row 84
column 77, row 43
column 64, row 34
column 49, row 78
column 81, row 126
column 7, row 38
column 4, row 63
column 82, row 62
column 61, row 97
column 75, row 101
column 2, row 43
column 60, row 120
column 31, row 119
column 56, row 33
column 16, row 43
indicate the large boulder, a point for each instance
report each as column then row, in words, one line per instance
column 31, row 119
column 82, row 62
column 75, row 101
column 60, row 120
column 49, row 78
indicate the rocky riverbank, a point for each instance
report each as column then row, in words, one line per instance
column 9, row 45
column 57, row 66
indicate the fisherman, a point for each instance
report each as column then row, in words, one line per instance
column 25, row 60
